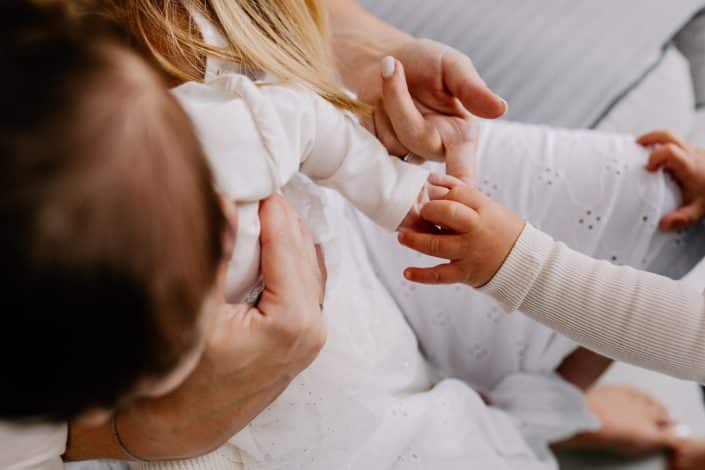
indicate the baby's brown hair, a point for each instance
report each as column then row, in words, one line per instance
column 111, row 230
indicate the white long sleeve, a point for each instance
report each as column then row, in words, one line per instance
column 257, row 138
column 32, row 446
column 630, row 315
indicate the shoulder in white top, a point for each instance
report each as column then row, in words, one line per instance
column 32, row 446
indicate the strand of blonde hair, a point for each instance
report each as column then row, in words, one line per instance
column 286, row 38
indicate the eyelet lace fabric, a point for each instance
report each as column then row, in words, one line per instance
column 587, row 189
column 372, row 400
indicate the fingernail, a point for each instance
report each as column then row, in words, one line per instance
column 388, row 66
column 407, row 274
column 682, row 431
column 506, row 105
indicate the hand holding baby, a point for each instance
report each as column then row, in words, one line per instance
column 472, row 231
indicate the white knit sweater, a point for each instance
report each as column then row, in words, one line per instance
column 633, row 316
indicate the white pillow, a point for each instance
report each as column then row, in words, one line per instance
column 662, row 100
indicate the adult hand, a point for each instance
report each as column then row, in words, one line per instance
column 251, row 356
column 425, row 110
column 426, row 99
column 633, row 423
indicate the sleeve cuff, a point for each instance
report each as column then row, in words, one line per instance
column 512, row 283
column 405, row 194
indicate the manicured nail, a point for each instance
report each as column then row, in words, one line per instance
column 388, row 66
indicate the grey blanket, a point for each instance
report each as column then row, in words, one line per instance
column 558, row 62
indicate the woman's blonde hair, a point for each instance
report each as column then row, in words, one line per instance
column 286, row 38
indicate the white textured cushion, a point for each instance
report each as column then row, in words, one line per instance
column 663, row 100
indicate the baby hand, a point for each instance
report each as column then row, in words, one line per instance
column 475, row 234
column 687, row 165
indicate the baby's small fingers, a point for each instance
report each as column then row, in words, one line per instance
column 437, row 245
column 437, row 192
column 661, row 137
column 683, row 217
column 450, row 215
column 449, row 273
column 672, row 158
column 444, row 181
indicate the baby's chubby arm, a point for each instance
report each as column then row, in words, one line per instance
column 339, row 153
column 622, row 313
column 257, row 137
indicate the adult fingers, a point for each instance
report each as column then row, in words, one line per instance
column 460, row 161
column 280, row 232
column 682, row 218
column 230, row 214
column 448, row 273
column 671, row 157
column 462, row 81
column 661, row 137
column 320, row 258
column 450, row 215
column 307, row 245
column 409, row 124
column 437, row 245
column 385, row 133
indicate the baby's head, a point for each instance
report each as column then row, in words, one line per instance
column 111, row 236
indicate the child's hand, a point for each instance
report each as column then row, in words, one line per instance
column 476, row 236
column 687, row 165
column 430, row 192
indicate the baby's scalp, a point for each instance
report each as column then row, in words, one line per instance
column 112, row 224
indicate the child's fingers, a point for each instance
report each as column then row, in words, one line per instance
column 444, row 181
column 457, row 190
column 436, row 192
column 450, row 215
column 672, row 158
column 661, row 137
column 682, row 218
column 449, row 273
column 437, row 245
